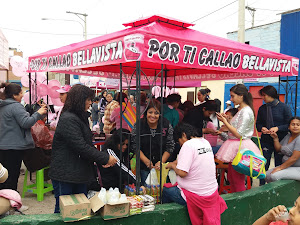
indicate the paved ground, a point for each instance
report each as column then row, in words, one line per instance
column 47, row 206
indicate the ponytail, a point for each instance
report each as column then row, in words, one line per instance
column 10, row 89
column 241, row 90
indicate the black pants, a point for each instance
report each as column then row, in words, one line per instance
column 11, row 160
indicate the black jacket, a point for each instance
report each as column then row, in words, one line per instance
column 150, row 145
column 73, row 153
column 111, row 176
column 281, row 116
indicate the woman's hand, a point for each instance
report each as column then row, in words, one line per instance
column 148, row 163
column 275, row 212
column 43, row 110
column 276, row 169
column 273, row 130
column 265, row 130
column 111, row 162
column 144, row 190
column 157, row 165
column 222, row 117
column 274, row 135
column 171, row 165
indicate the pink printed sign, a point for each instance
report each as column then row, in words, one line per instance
column 185, row 53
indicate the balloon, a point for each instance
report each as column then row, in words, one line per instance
column 51, row 116
column 57, row 102
column 156, row 91
column 16, row 61
column 19, row 72
column 41, row 76
column 53, row 83
column 42, row 89
column 49, row 102
column 95, row 79
column 25, row 81
column 174, row 91
column 33, row 98
column 52, row 92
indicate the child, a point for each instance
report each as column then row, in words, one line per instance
column 196, row 176
column 276, row 214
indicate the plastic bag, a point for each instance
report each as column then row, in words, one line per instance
column 41, row 136
column 172, row 176
column 152, row 178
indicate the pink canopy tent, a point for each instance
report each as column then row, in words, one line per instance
column 161, row 43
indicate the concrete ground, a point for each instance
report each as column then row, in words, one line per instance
column 47, row 205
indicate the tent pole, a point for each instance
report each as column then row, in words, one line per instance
column 296, row 97
column 138, row 125
column 279, row 84
column 30, row 109
column 121, row 125
column 161, row 126
column 286, row 90
column 165, row 83
column 47, row 95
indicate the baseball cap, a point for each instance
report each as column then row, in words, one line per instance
column 64, row 89
column 228, row 102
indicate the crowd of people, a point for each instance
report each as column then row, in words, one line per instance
column 182, row 129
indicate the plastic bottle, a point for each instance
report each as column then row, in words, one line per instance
column 126, row 192
column 158, row 193
column 141, row 191
column 283, row 216
column 131, row 192
column 102, row 195
column 109, row 194
column 123, row 198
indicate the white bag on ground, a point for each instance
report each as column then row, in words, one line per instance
column 172, row 176
column 152, row 178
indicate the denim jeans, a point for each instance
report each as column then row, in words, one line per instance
column 268, row 149
column 172, row 194
column 64, row 188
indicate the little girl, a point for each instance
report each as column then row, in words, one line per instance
column 241, row 126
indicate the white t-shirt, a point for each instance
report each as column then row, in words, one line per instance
column 197, row 159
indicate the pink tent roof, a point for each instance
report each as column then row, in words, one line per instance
column 188, row 54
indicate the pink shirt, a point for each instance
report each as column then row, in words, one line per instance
column 115, row 118
column 197, row 159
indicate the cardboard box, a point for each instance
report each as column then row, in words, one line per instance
column 109, row 211
column 74, row 207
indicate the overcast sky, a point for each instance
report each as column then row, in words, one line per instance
column 22, row 24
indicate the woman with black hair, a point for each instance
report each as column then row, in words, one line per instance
column 111, row 176
column 289, row 147
column 272, row 118
column 102, row 103
column 73, row 154
column 241, row 126
column 150, row 139
column 196, row 177
column 15, row 131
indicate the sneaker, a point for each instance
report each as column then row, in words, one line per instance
column 23, row 208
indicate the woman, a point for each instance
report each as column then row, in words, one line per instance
column 150, row 129
column 73, row 153
column 272, row 118
column 115, row 115
column 289, row 147
column 110, row 107
column 15, row 133
column 102, row 104
column 63, row 92
column 276, row 213
column 241, row 126
column 111, row 176
column 196, row 177
column 201, row 96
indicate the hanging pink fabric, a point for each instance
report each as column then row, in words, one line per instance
column 204, row 210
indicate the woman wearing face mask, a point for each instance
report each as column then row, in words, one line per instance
column 73, row 154
column 289, row 147
column 240, row 126
column 150, row 139
column 272, row 118
column 15, row 133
